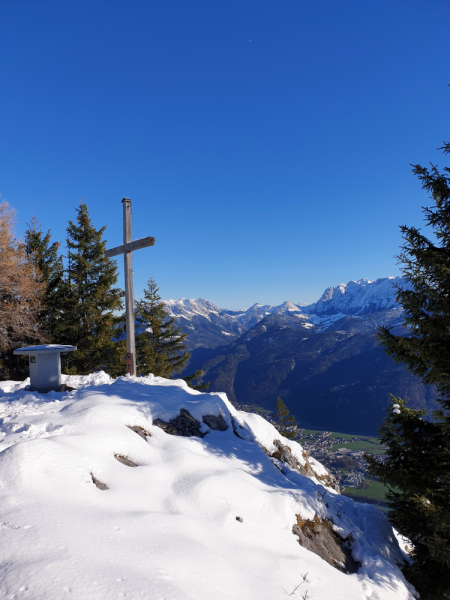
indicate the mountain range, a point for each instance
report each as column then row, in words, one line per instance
column 323, row 359
column 208, row 326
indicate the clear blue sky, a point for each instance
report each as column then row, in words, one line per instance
column 265, row 144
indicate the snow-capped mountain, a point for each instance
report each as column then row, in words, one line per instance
column 210, row 326
column 257, row 312
column 205, row 324
column 357, row 297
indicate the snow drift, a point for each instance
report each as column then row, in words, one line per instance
column 197, row 518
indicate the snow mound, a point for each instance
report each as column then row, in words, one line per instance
column 196, row 518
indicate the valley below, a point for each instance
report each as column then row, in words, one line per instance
column 343, row 456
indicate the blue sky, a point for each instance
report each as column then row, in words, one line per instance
column 265, row 144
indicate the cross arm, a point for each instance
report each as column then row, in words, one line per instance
column 136, row 245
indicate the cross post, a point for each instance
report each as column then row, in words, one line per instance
column 126, row 249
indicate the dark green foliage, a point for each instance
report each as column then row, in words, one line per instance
column 285, row 420
column 418, row 458
column 190, row 379
column 426, row 264
column 160, row 347
column 46, row 258
column 89, row 302
column 417, row 471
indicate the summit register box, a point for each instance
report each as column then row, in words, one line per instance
column 45, row 366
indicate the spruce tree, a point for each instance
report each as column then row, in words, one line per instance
column 45, row 256
column 160, row 347
column 285, row 420
column 416, row 472
column 90, row 302
column 418, row 457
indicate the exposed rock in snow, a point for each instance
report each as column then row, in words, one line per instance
column 199, row 518
column 98, row 483
column 184, row 425
column 125, row 460
column 317, row 535
column 283, row 456
column 140, row 431
column 215, row 423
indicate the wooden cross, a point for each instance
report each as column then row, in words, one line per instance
column 126, row 249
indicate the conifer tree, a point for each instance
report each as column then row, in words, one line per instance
column 191, row 379
column 45, row 256
column 160, row 347
column 416, row 472
column 285, row 420
column 418, row 457
column 90, row 302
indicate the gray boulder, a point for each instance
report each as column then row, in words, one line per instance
column 216, row 423
column 184, row 425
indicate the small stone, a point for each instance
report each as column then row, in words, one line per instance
column 140, row 431
column 98, row 483
column 124, row 460
column 240, row 519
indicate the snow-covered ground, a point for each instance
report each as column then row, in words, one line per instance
column 167, row 529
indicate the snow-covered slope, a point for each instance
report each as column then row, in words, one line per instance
column 168, row 527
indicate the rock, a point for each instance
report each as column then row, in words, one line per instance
column 330, row 481
column 140, row 431
column 240, row 519
column 284, row 454
column 317, row 536
column 124, row 460
column 235, row 431
column 184, row 425
column 98, row 483
column 216, row 423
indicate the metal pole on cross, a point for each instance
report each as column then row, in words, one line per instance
column 126, row 249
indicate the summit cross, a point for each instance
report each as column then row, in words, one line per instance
column 126, row 249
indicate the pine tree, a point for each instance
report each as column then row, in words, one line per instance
column 285, row 420
column 21, row 293
column 90, row 301
column 45, row 256
column 418, row 456
column 160, row 347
